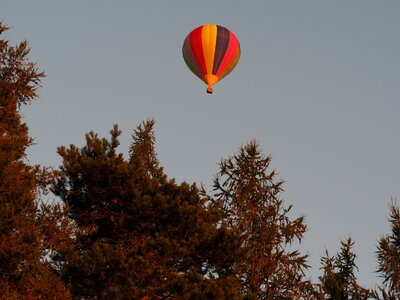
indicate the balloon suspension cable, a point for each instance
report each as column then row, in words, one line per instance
column 209, row 90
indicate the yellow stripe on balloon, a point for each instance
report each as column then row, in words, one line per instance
column 209, row 41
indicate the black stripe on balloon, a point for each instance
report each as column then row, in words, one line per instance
column 221, row 46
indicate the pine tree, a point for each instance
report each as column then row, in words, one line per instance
column 142, row 153
column 247, row 194
column 388, row 254
column 24, row 273
column 339, row 281
column 139, row 233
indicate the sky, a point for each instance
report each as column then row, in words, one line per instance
column 317, row 85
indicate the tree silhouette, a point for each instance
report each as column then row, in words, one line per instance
column 339, row 281
column 24, row 273
column 388, row 254
column 139, row 233
column 247, row 196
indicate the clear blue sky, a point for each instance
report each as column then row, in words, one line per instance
column 317, row 85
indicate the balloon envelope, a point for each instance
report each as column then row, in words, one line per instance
column 211, row 52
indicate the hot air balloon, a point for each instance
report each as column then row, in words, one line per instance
column 211, row 52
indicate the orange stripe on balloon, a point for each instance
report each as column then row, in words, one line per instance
column 209, row 40
column 230, row 54
column 197, row 48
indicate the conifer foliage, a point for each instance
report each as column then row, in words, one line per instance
column 24, row 274
column 247, row 194
column 388, row 254
column 339, row 281
column 139, row 234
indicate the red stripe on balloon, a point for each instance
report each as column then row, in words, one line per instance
column 196, row 43
column 230, row 54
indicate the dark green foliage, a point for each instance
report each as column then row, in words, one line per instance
column 247, row 198
column 388, row 254
column 23, row 243
column 139, row 234
column 339, row 281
